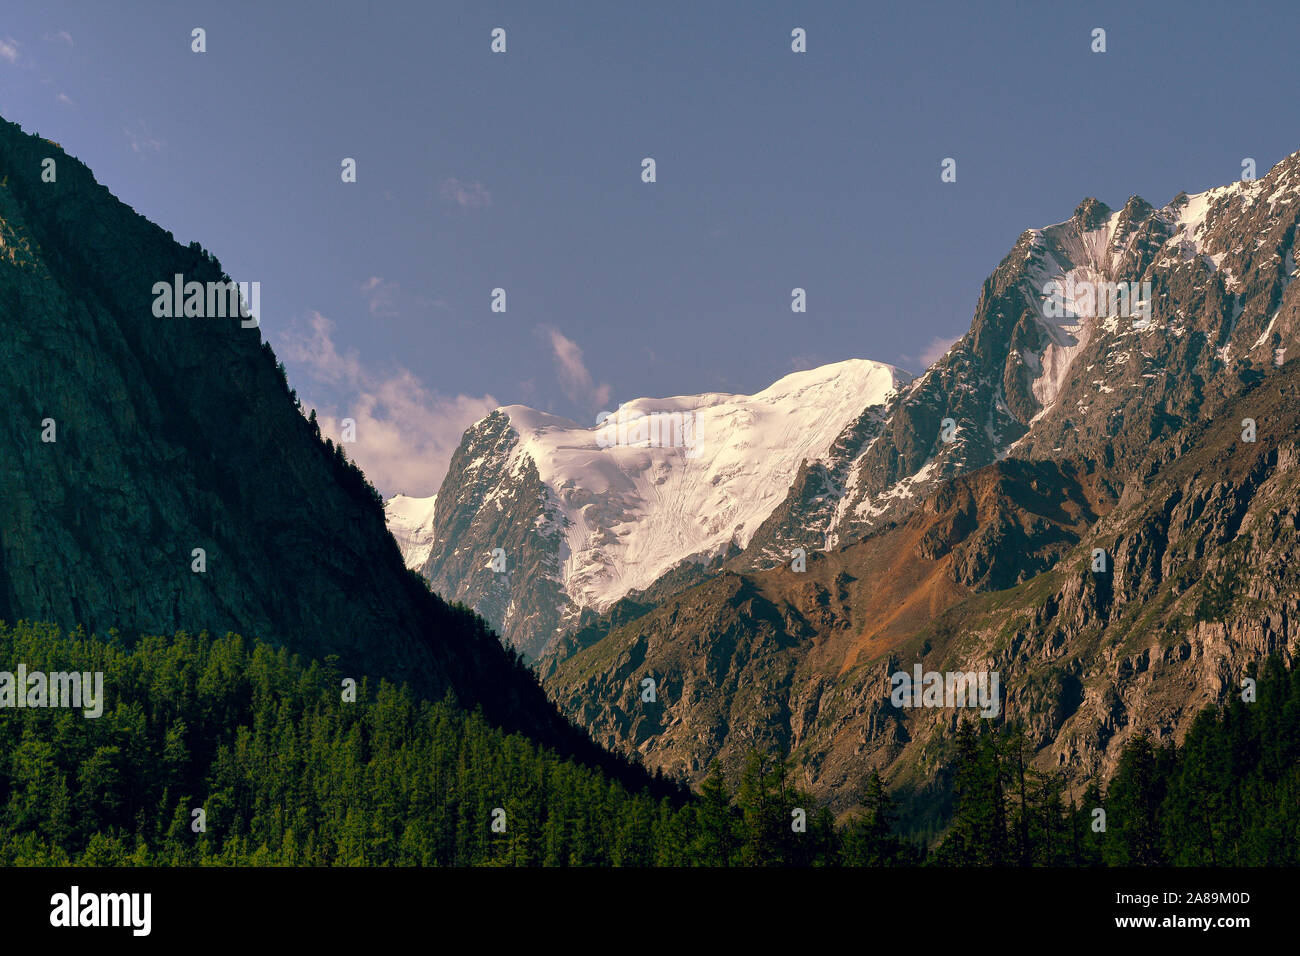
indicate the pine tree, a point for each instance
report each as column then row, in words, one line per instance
column 1133, row 807
column 715, row 830
column 870, row 840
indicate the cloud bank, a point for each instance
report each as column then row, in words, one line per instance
column 406, row 433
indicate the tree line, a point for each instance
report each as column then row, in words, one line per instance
column 226, row 751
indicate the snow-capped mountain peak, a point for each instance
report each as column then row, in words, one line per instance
column 603, row 509
column 661, row 480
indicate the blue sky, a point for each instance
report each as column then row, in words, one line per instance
column 523, row 171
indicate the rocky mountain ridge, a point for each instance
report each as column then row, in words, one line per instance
column 1025, row 382
column 762, row 655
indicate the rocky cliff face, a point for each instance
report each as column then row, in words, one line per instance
column 494, row 499
column 746, row 658
column 176, row 434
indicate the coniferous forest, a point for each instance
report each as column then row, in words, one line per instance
column 287, row 772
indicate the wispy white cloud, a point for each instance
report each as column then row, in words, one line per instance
column 381, row 296
column 467, row 195
column 802, row 363
column 141, row 140
column 9, row 50
column 574, row 377
column 65, row 99
column 936, row 349
column 62, row 36
column 406, row 433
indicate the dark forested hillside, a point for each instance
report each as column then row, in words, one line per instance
column 129, row 443
column 286, row 771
